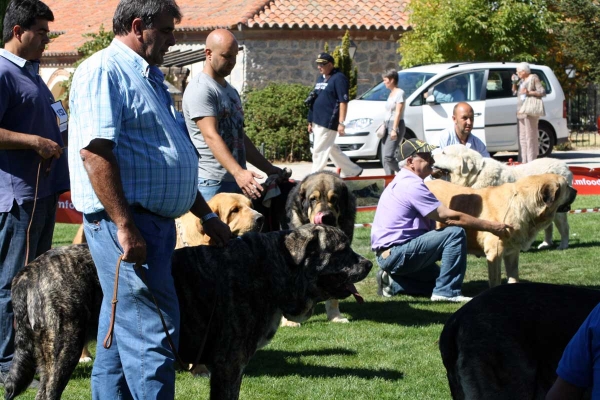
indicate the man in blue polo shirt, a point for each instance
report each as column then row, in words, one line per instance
column 460, row 133
column 326, row 117
column 31, row 145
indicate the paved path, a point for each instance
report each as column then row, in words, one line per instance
column 580, row 158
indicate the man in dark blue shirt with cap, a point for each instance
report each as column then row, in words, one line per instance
column 326, row 117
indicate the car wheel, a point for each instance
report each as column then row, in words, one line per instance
column 547, row 139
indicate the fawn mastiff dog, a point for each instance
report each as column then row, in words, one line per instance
column 323, row 198
column 467, row 167
column 528, row 205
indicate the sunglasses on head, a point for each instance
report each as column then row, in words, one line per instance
column 322, row 63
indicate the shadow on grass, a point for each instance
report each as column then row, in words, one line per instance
column 398, row 311
column 474, row 288
column 287, row 363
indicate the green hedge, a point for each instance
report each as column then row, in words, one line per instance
column 276, row 121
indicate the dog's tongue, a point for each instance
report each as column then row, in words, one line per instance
column 318, row 218
column 352, row 289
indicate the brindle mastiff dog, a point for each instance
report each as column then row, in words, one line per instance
column 323, row 198
column 506, row 343
column 251, row 284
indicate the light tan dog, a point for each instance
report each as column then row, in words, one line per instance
column 466, row 167
column 233, row 209
column 528, row 205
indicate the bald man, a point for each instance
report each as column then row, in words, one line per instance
column 215, row 120
column 460, row 133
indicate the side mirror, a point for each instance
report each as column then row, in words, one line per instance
column 430, row 99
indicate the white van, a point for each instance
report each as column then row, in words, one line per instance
column 485, row 86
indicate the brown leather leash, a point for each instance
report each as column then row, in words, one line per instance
column 109, row 335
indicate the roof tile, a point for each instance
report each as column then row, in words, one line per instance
column 74, row 19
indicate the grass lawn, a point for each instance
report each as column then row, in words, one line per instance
column 389, row 349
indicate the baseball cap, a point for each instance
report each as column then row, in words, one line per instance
column 413, row 146
column 325, row 58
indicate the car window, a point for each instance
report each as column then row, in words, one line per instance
column 455, row 88
column 407, row 81
column 499, row 84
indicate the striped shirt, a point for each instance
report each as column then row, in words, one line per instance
column 116, row 95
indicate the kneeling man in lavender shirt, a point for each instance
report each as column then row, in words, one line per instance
column 406, row 241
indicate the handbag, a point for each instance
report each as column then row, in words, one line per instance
column 381, row 130
column 532, row 106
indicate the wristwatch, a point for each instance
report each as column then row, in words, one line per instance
column 342, row 124
column 208, row 216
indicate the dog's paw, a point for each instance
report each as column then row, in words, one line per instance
column 200, row 371
column 339, row 320
column 289, row 324
column 83, row 360
column 544, row 245
column 563, row 246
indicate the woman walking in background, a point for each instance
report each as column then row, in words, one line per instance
column 394, row 107
column 526, row 84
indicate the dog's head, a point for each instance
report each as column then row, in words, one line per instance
column 552, row 193
column 323, row 198
column 458, row 163
column 236, row 211
column 233, row 209
column 326, row 267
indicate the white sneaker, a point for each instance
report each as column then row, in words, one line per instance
column 454, row 299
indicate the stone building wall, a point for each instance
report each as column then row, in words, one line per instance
column 293, row 61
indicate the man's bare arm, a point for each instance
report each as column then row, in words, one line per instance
column 46, row 148
column 103, row 171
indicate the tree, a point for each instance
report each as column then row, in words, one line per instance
column 97, row 42
column 577, row 32
column 343, row 61
column 551, row 32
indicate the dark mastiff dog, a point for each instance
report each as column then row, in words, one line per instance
column 506, row 343
column 251, row 283
column 323, row 198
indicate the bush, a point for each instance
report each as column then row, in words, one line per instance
column 276, row 121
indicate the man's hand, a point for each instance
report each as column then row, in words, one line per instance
column 47, row 148
column 502, row 230
column 218, row 231
column 250, row 187
column 309, row 129
column 133, row 244
column 341, row 130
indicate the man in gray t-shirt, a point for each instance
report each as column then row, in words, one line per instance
column 215, row 120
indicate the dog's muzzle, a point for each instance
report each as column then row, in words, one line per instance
column 439, row 173
column 567, row 206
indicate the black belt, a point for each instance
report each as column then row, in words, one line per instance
column 137, row 209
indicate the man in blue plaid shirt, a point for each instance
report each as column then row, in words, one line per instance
column 134, row 169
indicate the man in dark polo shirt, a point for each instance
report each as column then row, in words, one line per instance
column 326, row 117
column 29, row 135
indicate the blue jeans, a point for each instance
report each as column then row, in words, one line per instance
column 13, row 242
column 412, row 265
column 140, row 363
column 208, row 188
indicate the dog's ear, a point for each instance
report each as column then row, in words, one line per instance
column 301, row 242
column 467, row 166
column 549, row 192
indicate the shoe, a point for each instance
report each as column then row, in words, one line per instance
column 354, row 176
column 454, row 299
column 383, row 283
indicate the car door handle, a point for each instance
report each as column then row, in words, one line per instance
column 477, row 114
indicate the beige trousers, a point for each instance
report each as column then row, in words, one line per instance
column 324, row 148
column 529, row 146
